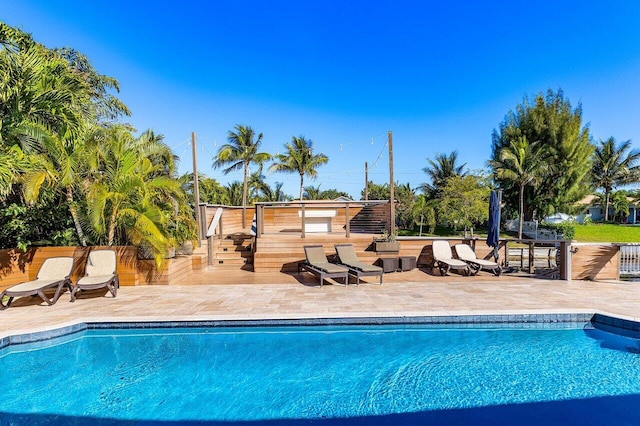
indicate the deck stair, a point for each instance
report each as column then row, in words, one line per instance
column 371, row 219
column 233, row 253
column 281, row 253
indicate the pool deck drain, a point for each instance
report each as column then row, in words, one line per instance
column 301, row 299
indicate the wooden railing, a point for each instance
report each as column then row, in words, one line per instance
column 315, row 216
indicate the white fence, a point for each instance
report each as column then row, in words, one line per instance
column 630, row 261
column 531, row 230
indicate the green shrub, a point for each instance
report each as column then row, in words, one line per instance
column 565, row 230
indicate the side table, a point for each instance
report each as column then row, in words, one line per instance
column 407, row 263
column 389, row 264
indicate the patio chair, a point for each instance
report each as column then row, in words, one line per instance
column 100, row 272
column 466, row 254
column 317, row 264
column 55, row 272
column 347, row 256
column 443, row 259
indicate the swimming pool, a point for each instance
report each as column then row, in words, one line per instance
column 368, row 374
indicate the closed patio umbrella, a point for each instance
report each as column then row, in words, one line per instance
column 493, row 239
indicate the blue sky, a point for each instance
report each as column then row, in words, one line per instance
column 440, row 75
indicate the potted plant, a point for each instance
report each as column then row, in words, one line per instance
column 387, row 243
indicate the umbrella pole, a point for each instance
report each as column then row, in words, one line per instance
column 496, row 249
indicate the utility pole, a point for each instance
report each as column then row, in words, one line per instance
column 366, row 181
column 392, row 225
column 196, row 190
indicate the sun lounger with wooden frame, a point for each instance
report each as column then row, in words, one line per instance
column 466, row 254
column 100, row 272
column 317, row 264
column 444, row 261
column 55, row 272
column 347, row 256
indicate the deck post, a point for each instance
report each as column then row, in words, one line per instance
column 565, row 260
column 346, row 215
column 210, row 250
column 260, row 220
column 302, row 235
column 532, row 267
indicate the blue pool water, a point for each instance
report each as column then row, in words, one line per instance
column 367, row 374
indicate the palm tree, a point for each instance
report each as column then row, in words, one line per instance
column 440, row 170
column 239, row 153
column 274, row 194
column 59, row 167
column 612, row 168
column 234, row 192
column 520, row 163
column 423, row 213
column 299, row 158
column 131, row 196
column 312, row 192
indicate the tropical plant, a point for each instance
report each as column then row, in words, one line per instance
column 210, row 191
column 59, row 167
column 520, row 165
column 377, row 191
column 299, row 158
column 274, row 194
column 332, row 194
column 424, row 214
column 235, row 192
column 614, row 165
column 130, row 196
column 565, row 146
column 312, row 192
column 240, row 152
column 464, row 202
column 620, row 204
column 439, row 170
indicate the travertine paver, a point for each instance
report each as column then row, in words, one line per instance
column 286, row 296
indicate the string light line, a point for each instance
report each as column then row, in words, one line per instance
column 368, row 140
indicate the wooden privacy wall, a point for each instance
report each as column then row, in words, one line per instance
column 231, row 218
column 17, row 266
column 287, row 218
column 595, row 262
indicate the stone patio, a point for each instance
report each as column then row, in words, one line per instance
column 286, row 296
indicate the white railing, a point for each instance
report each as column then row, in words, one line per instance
column 630, row 260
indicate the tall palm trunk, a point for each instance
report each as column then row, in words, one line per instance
column 74, row 214
column 112, row 227
column 301, row 184
column 607, row 194
column 521, row 207
column 244, row 193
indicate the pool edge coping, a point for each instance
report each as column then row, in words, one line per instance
column 606, row 321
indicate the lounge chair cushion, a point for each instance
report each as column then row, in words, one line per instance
column 348, row 256
column 442, row 253
column 31, row 285
column 55, row 268
column 465, row 252
column 94, row 279
column 101, row 262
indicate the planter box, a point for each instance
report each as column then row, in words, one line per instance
column 387, row 246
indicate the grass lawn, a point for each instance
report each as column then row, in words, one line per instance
column 593, row 233
column 607, row 233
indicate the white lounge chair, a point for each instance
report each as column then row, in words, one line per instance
column 466, row 253
column 100, row 272
column 444, row 261
column 348, row 257
column 55, row 272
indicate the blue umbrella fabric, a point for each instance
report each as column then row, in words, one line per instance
column 494, row 223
